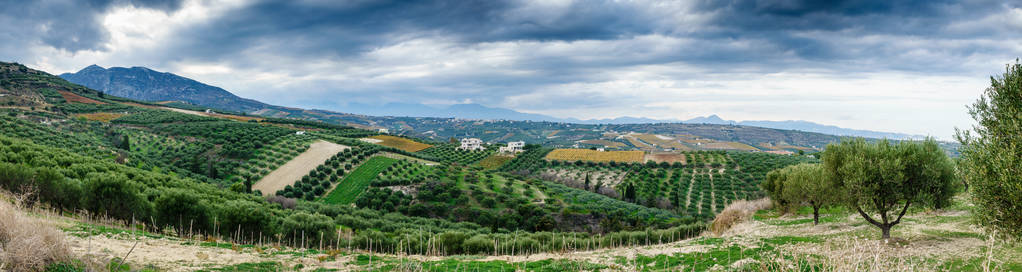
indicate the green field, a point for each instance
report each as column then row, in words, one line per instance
column 355, row 183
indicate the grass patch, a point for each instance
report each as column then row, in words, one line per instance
column 784, row 240
column 263, row 266
column 823, row 219
column 948, row 235
column 83, row 230
column 358, row 181
column 377, row 263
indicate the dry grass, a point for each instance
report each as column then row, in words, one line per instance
column 737, row 212
column 28, row 244
column 596, row 156
column 400, row 143
column 100, row 116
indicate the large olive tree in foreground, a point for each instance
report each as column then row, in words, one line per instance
column 991, row 161
column 884, row 179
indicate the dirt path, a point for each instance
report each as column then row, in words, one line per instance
column 293, row 170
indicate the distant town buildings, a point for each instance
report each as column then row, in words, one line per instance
column 384, row 131
column 471, row 144
column 513, row 147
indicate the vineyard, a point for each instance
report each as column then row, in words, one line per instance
column 595, row 156
column 400, row 143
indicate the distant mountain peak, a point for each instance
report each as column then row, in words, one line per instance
column 92, row 68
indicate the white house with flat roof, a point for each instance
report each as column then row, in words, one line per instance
column 471, row 144
column 513, row 147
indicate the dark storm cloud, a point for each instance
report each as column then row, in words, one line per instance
column 345, row 28
column 67, row 25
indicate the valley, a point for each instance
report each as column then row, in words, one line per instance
column 188, row 190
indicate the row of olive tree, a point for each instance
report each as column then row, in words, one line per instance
column 879, row 180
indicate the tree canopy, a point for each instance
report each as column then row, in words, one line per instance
column 991, row 160
column 884, row 179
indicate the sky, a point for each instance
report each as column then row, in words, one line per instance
column 899, row 66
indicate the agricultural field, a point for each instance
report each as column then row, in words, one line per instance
column 595, row 156
column 317, row 154
column 405, row 172
column 665, row 157
column 449, row 153
column 100, row 116
column 356, row 182
column 270, row 157
column 400, row 143
column 661, row 142
column 494, row 161
column 605, row 143
column 575, row 176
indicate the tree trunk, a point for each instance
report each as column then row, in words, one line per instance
column 886, row 229
column 816, row 215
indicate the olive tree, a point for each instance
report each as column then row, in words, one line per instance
column 884, row 179
column 991, row 160
column 809, row 184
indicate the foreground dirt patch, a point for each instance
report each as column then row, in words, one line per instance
column 293, row 170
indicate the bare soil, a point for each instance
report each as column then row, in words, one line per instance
column 294, row 169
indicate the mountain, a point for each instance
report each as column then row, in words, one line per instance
column 805, row 126
column 145, row 84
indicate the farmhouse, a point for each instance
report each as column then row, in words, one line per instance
column 209, row 111
column 513, row 147
column 471, row 144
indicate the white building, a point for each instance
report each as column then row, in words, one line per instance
column 513, row 147
column 299, row 132
column 384, row 131
column 209, row 111
column 471, row 144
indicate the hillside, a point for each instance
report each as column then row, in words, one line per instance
column 464, row 120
